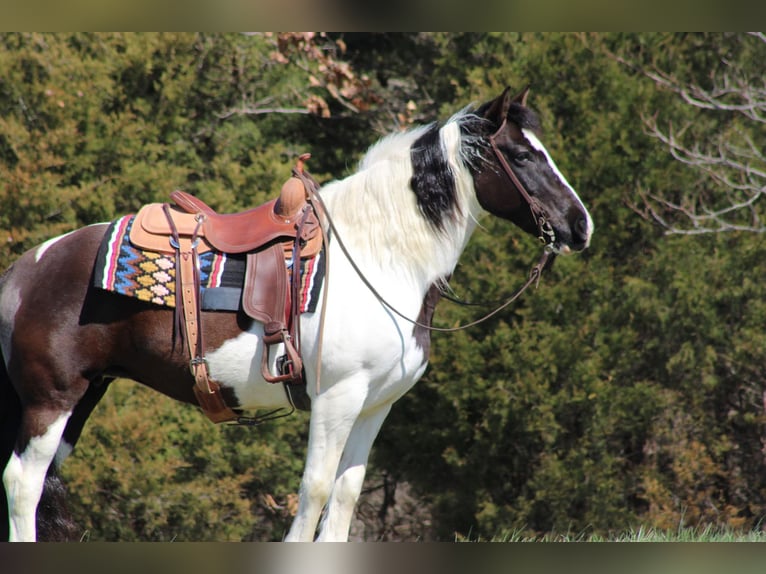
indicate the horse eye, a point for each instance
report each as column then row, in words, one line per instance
column 522, row 157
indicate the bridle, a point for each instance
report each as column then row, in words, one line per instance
column 545, row 231
column 546, row 235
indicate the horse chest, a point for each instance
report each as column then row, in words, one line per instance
column 376, row 352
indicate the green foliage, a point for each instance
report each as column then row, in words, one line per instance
column 627, row 390
column 151, row 469
column 94, row 125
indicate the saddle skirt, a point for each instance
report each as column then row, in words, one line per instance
column 150, row 275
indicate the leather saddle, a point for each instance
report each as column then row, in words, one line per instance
column 286, row 227
column 274, row 221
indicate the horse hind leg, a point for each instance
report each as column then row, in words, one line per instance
column 24, row 476
column 54, row 521
column 36, row 495
column 10, row 423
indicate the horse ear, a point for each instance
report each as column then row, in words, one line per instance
column 521, row 97
column 497, row 110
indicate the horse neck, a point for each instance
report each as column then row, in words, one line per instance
column 377, row 215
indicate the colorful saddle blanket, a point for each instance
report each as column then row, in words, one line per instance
column 122, row 268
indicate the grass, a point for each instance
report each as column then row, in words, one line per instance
column 682, row 534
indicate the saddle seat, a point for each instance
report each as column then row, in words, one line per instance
column 276, row 220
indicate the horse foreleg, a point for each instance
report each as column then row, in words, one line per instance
column 24, row 475
column 350, row 477
column 333, row 414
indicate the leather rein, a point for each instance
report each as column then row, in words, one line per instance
column 546, row 235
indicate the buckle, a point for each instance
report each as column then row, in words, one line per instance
column 547, row 234
column 284, row 365
column 196, row 362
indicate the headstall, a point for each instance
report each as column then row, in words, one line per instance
column 545, row 231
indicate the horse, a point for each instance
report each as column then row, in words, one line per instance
column 403, row 219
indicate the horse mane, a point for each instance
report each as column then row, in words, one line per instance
column 420, row 181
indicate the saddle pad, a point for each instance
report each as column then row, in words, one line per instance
column 122, row 268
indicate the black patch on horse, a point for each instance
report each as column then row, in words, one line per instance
column 432, row 179
column 425, row 317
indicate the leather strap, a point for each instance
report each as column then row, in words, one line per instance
column 546, row 235
column 188, row 316
column 318, row 209
column 291, row 369
column 274, row 310
column 534, row 275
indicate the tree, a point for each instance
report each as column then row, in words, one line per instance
column 727, row 151
column 626, row 391
column 94, row 125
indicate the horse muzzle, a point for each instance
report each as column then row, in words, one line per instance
column 574, row 237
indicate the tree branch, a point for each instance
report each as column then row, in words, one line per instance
column 256, row 111
column 728, row 196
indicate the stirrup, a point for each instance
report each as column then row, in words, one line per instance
column 289, row 365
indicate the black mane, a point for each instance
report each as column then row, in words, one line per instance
column 432, row 180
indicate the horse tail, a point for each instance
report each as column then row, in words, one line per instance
column 54, row 520
column 10, row 419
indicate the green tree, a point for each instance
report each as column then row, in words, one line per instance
column 626, row 390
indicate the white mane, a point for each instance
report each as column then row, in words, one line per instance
column 378, row 215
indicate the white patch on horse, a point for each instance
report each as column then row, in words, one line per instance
column 48, row 244
column 237, row 364
column 380, row 194
column 538, row 145
column 24, row 477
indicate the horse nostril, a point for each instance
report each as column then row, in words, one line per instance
column 581, row 229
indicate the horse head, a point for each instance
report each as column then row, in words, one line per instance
column 519, row 181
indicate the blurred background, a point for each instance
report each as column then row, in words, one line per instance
column 627, row 391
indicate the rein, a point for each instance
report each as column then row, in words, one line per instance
column 534, row 275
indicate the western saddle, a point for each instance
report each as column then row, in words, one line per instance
column 286, row 227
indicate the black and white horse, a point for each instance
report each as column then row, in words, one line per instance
column 405, row 217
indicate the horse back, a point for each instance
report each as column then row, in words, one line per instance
column 55, row 322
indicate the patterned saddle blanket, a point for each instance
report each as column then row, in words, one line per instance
column 148, row 276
